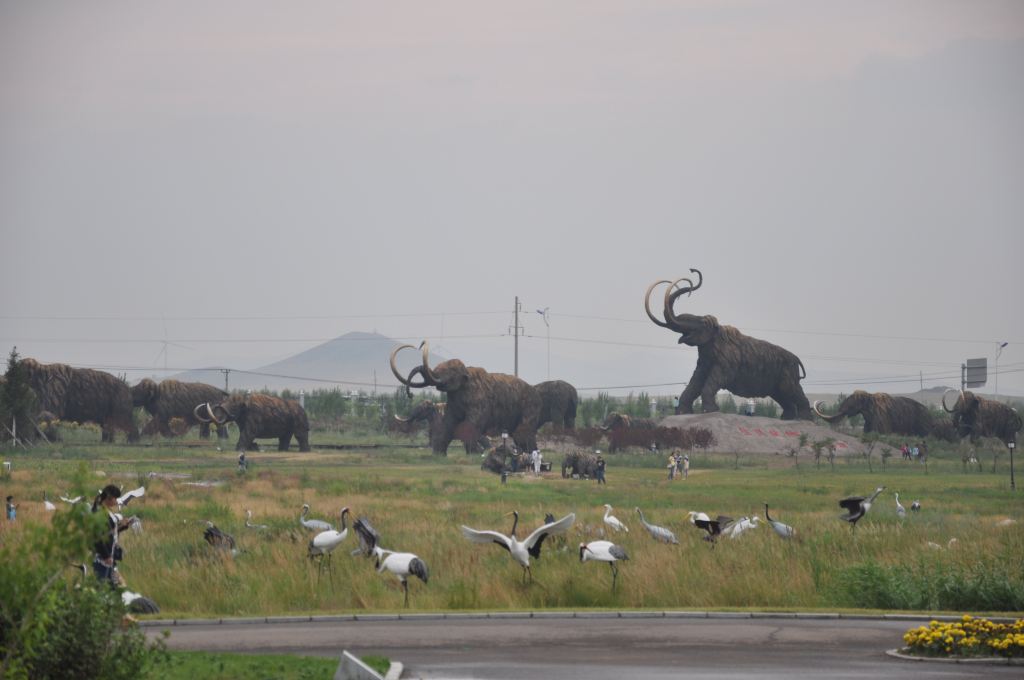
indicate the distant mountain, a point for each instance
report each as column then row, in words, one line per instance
column 349, row 362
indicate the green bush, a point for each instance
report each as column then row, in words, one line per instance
column 55, row 623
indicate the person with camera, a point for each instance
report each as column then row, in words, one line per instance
column 107, row 550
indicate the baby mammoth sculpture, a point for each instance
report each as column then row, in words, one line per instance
column 730, row 360
column 433, row 414
column 975, row 417
column 478, row 402
column 579, row 464
column 83, row 395
column 883, row 413
column 262, row 416
column 173, row 399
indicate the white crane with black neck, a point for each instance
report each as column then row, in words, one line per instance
column 401, row 564
column 783, row 530
column 521, row 551
column 604, row 551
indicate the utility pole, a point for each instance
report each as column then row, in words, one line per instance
column 225, row 371
column 515, row 332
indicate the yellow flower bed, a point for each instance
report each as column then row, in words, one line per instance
column 968, row 637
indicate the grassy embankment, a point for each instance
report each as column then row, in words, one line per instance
column 418, row 501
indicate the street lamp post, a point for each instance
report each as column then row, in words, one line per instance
column 544, row 315
column 999, row 350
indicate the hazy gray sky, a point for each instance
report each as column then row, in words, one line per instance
column 248, row 179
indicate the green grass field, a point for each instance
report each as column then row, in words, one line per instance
column 417, row 502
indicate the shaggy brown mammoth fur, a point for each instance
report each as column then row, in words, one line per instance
column 478, row 402
column 262, row 416
column 730, row 360
column 173, row 399
column 83, row 395
column 558, row 402
column 580, row 464
column 884, row 413
column 976, row 417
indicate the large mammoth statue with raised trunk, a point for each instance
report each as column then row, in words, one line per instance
column 975, row 417
column 262, row 416
column 883, row 413
column 173, row 399
column 478, row 401
column 83, row 395
column 558, row 402
column 432, row 413
column 730, row 360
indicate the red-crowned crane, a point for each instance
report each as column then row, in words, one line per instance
column 656, row 532
column 741, row 526
column 858, row 506
column 693, row 516
column 783, row 530
column 402, row 565
column 604, row 551
column 323, row 545
column 312, row 524
column 613, row 521
column 521, row 551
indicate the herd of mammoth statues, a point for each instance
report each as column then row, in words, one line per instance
column 479, row 403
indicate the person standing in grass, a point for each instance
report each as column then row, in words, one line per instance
column 599, row 470
column 671, row 466
column 12, row 509
column 686, row 466
column 108, row 550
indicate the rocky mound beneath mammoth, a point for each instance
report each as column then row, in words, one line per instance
column 754, row 434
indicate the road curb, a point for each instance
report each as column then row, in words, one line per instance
column 584, row 614
column 994, row 661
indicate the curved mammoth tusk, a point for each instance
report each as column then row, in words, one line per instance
column 213, row 413
column 418, row 370
column 394, row 367
column 401, row 419
column 647, row 303
column 428, row 375
column 197, row 414
column 823, row 416
column 671, row 295
column 948, row 409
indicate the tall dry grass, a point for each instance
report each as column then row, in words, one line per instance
column 418, row 507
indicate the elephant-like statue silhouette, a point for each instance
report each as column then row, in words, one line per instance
column 580, row 464
column 433, row 414
column 83, row 395
column 559, row 401
column 174, row 399
column 728, row 359
column 976, row 417
column 262, row 416
column 478, row 401
column 883, row 413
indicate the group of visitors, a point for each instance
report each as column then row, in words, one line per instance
column 678, row 465
column 917, row 452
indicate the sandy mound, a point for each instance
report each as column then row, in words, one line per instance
column 754, row 434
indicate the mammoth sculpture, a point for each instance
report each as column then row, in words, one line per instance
column 433, row 414
column 173, row 399
column 262, row 416
column 579, row 464
column 478, row 401
column 883, row 413
column 728, row 359
column 83, row 395
column 975, row 417
column 558, row 402
column 620, row 421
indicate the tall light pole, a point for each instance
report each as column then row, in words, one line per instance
column 544, row 315
column 999, row 350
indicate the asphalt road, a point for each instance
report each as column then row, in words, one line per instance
column 597, row 648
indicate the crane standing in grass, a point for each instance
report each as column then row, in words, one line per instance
column 901, row 511
column 656, row 532
column 323, row 545
column 612, row 520
column 312, row 524
column 783, row 530
column 402, row 565
column 604, row 551
column 857, row 506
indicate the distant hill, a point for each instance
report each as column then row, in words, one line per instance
column 348, row 362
